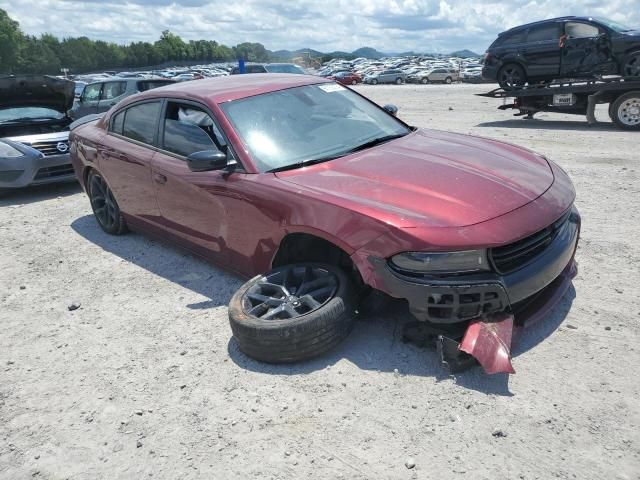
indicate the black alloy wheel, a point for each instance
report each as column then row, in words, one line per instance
column 511, row 76
column 293, row 313
column 104, row 205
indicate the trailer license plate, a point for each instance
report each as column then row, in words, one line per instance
column 562, row 99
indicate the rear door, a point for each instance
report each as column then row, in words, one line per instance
column 541, row 53
column 112, row 93
column 586, row 49
column 202, row 209
column 125, row 156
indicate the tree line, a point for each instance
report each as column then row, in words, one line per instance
column 46, row 54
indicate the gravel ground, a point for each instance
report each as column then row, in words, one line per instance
column 143, row 379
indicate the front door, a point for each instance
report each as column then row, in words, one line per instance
column 202, row 209
column 88, row 101
column 586, row 50
column 125, row 155
column 112, row 93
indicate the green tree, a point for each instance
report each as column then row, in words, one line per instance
column 11, row 41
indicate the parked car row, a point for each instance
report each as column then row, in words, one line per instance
column 414, row 69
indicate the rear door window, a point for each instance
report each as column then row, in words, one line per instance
column 140, row 122
column 544, row 33
column 117, row 122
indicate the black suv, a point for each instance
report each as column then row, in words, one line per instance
column 560, row 48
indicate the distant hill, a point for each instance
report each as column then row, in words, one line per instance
column 465, row 54
column 368, row 52
column 365, row 52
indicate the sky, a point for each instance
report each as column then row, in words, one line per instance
column 439, row 26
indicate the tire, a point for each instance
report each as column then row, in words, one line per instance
column 353, row 82
column 448, row 80
column 398, row 81
column 511, row 76
column 625, row 111
column 287, row 340
column 104, row 205
column 374, row 82
column 632, row 65
column 424, row 80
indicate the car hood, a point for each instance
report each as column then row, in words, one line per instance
column 36, row 91
column 430, row 178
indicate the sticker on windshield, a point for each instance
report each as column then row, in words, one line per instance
column 331, row 87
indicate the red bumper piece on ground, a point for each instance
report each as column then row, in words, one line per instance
column 489, row 341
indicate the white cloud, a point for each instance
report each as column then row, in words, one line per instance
column 388, row 25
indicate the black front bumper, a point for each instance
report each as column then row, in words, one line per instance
column 458, row 298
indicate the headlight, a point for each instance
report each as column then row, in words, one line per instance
column 442, row 262
column 7, row 151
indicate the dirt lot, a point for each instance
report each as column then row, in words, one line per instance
column 143, row 380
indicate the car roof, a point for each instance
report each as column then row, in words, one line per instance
column 542, row 22
column 224, row 89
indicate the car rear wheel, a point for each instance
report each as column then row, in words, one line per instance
column 625, row 111
column 511, row 76
column 398, row 81
column 104, row 205
column 293, row 313
column 632, row 65
column 448, row 80
column 424, row 80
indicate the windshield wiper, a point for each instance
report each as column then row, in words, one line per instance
column 303, row 163
column 363, row 146
column 374, row 142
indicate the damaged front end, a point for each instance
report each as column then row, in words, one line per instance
column 475, row 318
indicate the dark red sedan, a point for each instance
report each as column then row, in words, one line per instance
column 346, row 78
column 321, row 196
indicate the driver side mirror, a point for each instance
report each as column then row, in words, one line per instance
column 207, row 160
column 391, row 109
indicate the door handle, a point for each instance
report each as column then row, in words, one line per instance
column 159, row 178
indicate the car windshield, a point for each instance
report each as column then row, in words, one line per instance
column 615, row 26
column 274, row 68
column 25, row 114
column 309, row 124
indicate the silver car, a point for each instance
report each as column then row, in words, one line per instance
column 386, row 76
column 98, row 97
column 34, row 131
column 444, row 75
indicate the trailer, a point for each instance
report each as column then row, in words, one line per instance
column 577, row 97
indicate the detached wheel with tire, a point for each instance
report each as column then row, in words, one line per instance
column 293, row 313
column 104, row 205
column 511, row 76
column 625, row 111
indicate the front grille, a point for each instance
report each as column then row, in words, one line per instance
column 49, row 148
column 509, row 258
column 446, row 304
column 52, row 172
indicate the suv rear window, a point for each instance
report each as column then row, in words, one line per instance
column 513, row 38
column 140, row 122
column 544, row 33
